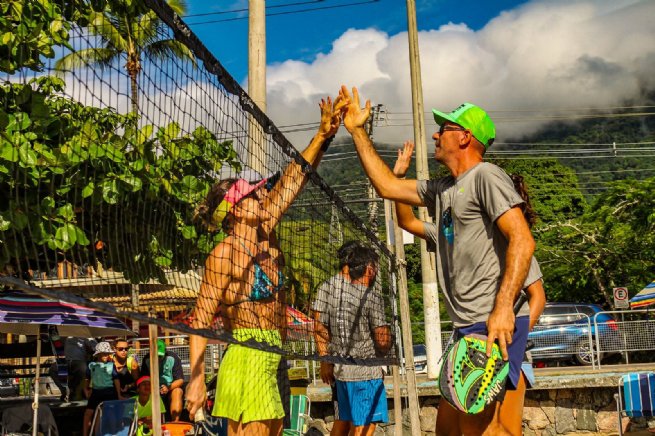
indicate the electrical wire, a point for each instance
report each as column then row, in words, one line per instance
column 232, row 11
column 286, row 12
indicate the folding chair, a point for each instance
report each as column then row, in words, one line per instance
column 636, row 396
column 115, row 418
column 300, row 407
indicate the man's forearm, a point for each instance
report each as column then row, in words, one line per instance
column 321, row 336
column 197, row 347
column 386, row 184
column 375, row 168
column 176, row 384
column 517, row 264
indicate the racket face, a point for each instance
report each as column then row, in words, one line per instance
column 469, row 380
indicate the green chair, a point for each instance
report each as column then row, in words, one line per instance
column 300, row 406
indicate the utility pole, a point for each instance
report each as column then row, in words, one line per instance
column 372, row 195
column 257, row 145
column 428, row 263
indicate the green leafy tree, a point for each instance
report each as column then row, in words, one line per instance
column 128, row 30
column 72, row 175
column 612, row 244
column 30, row 29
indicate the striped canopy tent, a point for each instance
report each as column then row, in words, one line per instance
column 644, row 298
column 25, row 314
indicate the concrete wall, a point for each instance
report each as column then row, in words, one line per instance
column 559, row 404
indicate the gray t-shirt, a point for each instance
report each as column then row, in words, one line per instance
column 351, row 313
column 470, row 248
column 534, row 272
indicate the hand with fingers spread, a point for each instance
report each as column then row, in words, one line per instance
column 404, row 159
column 330, row 116
column 500, row 327
column 354, row 115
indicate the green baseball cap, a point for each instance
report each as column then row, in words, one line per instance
column 473, row 118
column 161, row 348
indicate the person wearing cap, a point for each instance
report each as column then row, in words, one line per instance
column 144, row 406
column 171, row 378
column 243, row 274
column 484, row 245
column 101, row 383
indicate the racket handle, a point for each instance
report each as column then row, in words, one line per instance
column 199, row 416
column 520, row 301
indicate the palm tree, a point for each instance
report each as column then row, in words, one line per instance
column 127, row 30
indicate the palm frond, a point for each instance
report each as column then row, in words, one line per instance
column 101, row 57
column 170, row 48
column 178, row 6
column 145, row 29
column 106, row 27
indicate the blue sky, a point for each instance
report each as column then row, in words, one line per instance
column 302, row 35
column 523, row 61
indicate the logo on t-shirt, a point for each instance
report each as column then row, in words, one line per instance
column 447, row 225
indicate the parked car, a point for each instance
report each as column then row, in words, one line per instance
column 420, row 359
column 8, row 385
column 564, row 330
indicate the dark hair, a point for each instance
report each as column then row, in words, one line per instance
column 358, row 257
column 204, row 213
column 528, row 212
column 344, row 252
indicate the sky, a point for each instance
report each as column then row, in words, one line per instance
column 510, row 57
column 520, row 60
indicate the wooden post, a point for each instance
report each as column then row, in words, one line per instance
column 154, row 380
column 406, row 327
column 397, row 400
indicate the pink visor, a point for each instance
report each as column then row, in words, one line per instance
column 237, row 192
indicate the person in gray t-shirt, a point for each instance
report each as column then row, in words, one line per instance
column 484, row 244
column 350, row 322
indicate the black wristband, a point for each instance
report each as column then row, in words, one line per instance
column 327, row 143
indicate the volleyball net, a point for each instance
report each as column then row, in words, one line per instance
column 114, row 142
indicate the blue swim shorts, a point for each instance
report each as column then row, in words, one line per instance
column 362, row 402
column 516, row 349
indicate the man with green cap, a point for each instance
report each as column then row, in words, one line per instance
column 171, row 378
column 483, row 243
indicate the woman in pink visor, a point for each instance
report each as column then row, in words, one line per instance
column 244, row 281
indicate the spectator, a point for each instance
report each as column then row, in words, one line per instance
column 77, row 352
column 171, row 378
column 144, row 406
column 101, row 382
column 350, row 321
column 127, row 368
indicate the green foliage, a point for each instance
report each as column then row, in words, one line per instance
column 71, row 175
column 612, row 244
column 29, row 31
column 552, row 186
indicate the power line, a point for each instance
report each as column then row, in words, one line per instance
column 286, row 12
column 232, row 11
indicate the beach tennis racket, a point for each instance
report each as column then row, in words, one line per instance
column 469, row 380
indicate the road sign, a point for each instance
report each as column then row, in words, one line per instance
column 621, row 298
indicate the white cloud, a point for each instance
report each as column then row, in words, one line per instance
column 542, row 55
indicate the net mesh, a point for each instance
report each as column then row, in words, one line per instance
column 112, row 166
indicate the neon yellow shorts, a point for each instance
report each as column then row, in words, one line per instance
column 246, row 388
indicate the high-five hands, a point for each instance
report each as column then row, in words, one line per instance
column 354, row 116
column 331, row 114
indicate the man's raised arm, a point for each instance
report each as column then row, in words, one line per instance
column 385, row 183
